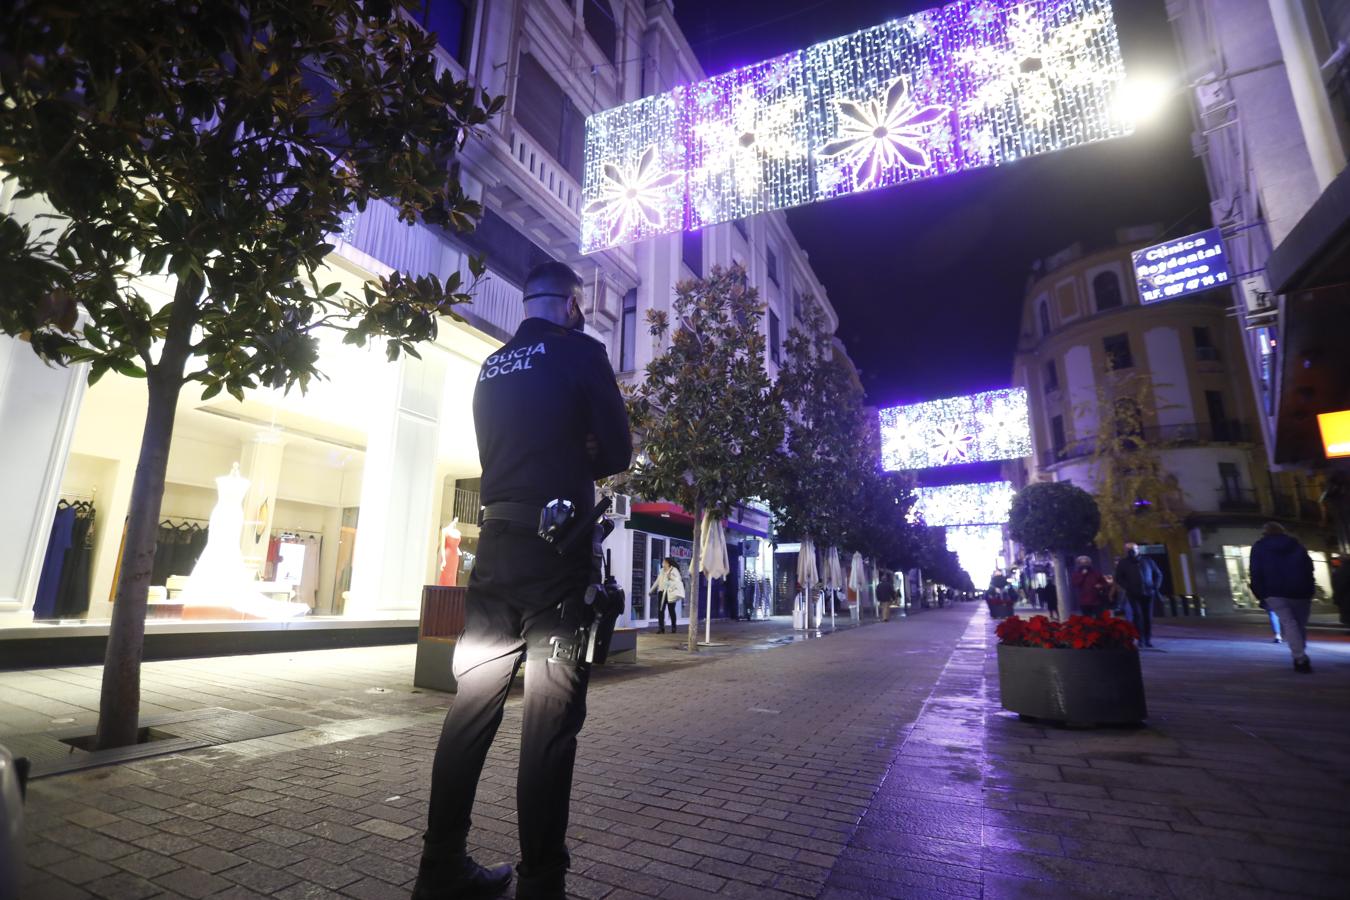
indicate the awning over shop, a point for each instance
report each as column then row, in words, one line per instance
column 1311, row 268
column 750, row 522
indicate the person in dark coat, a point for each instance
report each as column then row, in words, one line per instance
column 1282, row 579
column 1089, row 587
column 1139, row 579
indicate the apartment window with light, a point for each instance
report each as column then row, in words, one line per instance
column 628, row 333
column 771, row 264
column 691, row 251
column 1205, row 351
column 775, row 342
column 1051, row 376
column 1117, row 347
column 451, row 21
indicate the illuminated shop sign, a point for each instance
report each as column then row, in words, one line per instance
column 1335, row 427
column 1187, row 265
column 974, row 83
column 976, row 428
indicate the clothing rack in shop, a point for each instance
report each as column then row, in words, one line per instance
column 80, row 496
column 168, row 519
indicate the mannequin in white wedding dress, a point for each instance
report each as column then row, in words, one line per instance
column 220, row 578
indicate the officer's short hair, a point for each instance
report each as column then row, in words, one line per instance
column 551, row 279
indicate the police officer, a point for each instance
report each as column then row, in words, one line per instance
column 550, row 421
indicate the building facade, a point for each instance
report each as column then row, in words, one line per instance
column 1083, row 332
column 1269, row 86
column 364, row 488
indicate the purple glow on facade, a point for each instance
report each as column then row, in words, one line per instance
column 971, row 84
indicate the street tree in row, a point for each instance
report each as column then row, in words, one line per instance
column 706, row 413
column 217, row 146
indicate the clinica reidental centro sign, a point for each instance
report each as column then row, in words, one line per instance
column 1187, row 265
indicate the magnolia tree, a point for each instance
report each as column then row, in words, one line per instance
column 1055, row 517
column 217, row 145
column 818, row 482
column 706, row 412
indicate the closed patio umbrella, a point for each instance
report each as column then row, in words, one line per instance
column 807, row 577
column 713, row 561
column 857, row 582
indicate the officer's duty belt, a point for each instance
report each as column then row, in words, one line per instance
column 516, row 513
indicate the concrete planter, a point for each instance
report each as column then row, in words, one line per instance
column 1081, row 686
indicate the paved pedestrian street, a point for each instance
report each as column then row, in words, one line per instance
column 873, row 762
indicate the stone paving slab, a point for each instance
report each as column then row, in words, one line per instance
column 874, row 763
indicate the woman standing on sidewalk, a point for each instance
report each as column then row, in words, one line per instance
column 669, row 588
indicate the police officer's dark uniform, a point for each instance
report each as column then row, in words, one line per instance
column 550, row 421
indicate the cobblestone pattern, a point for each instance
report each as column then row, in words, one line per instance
column 742, row 777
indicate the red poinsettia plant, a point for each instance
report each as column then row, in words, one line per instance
column 1104, row 632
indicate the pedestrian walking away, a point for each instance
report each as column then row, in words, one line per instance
column 669, row 590
column 1140, row 580
column 1282, row 580
column 550, row 421
column 1090, row 587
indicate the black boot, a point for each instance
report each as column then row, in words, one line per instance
column 459, row 878
column 543, row 886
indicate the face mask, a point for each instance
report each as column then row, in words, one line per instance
column 1132, row 553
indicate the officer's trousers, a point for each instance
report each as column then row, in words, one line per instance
column 515, row 591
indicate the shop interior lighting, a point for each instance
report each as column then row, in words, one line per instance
column 971, row 84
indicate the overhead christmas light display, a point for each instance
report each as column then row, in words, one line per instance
column 978, row 503
column 976, row 428
column 974, row 83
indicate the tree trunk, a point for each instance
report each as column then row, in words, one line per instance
column 693, row 578
column 119, row 701
column 1068, row 604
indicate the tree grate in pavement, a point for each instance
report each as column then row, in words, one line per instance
column 53, row 753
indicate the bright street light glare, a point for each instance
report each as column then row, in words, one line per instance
column 1142, row 98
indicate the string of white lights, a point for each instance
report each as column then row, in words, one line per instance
column 973, row 83
column 977, row 503
column 982, row 427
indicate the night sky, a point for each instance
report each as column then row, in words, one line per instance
column 928, row 277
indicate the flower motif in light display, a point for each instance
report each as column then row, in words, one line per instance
column 631, row 195
column 978, row 503
column 883, row 133
column 748, row 149
column 970, row 84
column 976, row 428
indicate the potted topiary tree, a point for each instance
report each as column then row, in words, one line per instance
column 1085, row 669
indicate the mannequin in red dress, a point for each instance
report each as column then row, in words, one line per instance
column 450, row 537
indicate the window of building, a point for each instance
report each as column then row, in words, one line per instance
column 1129, row 418
column 691, row 251
column 550, row 116
column 1205, row 351
column 1044, row 312
column 1230, row 481
column 1106, row 288
column 598, row 17
column 1057, row 438
column 628, row 333
column 1051, row 376
column 775, row 342
column 742, row 228
column 1218, row 417
column 451, row 22
column 1118, row 355
column 771, row 263
column 797, row 308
